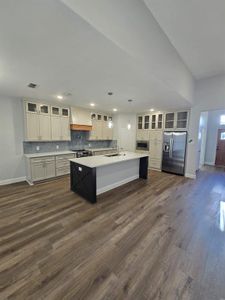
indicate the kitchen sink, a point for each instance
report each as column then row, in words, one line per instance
column 114, row 154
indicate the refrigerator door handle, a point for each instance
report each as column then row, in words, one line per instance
column 171, row 148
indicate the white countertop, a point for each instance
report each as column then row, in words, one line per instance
column 48, row 154
column 102, row 160
column 100, row 149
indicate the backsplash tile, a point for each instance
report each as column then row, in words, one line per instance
column 79, row 140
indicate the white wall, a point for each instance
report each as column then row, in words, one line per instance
column 203, row 124
column 213, row 126
column 126, row 139
column 209, row 95
column 11, row 141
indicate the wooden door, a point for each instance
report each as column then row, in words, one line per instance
column 220, row 150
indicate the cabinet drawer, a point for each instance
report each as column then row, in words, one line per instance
column 64, row 157
column 42, row 159
column 62, row 163
column 62, row 171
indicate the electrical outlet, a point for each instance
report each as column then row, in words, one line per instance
column 57, row 147
column 38, row 148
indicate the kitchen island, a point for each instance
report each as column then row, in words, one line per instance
column 94, row 175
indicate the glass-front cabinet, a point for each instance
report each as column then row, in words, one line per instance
column 182, row 120
column 44, row 109
column 140, row 122
column 55, row 111
column 176, row 120
column 65, row 112
column 157, row 121
column 160, row 121
column 169, row 120
column 146, row 122
column 31, row 107
column 153, row 122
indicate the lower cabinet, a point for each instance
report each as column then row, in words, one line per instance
column 41, row 168
column 63, row 164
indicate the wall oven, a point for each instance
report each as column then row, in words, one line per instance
column 142, row 145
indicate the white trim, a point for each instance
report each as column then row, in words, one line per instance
column 208, row 163
column 29, row 182
column 192, row 176
column 12, row 180
column 116, row 184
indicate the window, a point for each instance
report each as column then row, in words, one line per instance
column 222, row 120
column 222, row 136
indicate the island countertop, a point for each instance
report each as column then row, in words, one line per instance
column 104, row 160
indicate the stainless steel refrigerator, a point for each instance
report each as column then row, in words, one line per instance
column 174, row 151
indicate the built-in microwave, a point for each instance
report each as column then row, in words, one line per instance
column 142, row 145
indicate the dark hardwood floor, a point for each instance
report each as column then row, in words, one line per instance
column 157, row 239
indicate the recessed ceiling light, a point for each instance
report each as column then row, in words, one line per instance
column 110, row 93
column 60, row 97
column 92, row 104
column 152, row 109
column 114, row 109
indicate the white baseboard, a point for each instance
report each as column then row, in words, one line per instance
column 116, row 184
column 192, row 176
column 12, row 180
column 209, row 163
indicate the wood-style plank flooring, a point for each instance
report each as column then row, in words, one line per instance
column 157, row 239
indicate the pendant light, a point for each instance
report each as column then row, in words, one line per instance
column 129, row 123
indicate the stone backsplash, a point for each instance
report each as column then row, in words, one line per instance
column 79, row 140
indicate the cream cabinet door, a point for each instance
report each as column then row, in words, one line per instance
column 107, row 133
column 97, row 131
column 56, row 128
column 37, row 171
column 50, row 169
column 65, row 129
column 155, row 148
column 45, row 127
column 32, row 127
column 93, row 131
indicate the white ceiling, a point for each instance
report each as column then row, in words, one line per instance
column 90, row 47
column 196, row 28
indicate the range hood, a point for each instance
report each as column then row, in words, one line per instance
column 80, row 119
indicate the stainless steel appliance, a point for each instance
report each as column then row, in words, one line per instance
column 174, row 151
column 142, row 145
column 82, row 153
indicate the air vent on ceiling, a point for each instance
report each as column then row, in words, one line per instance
column 32, row 85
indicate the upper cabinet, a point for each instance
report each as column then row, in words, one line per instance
column 46, row 123
column 152, row 121
column 176, row 120
column 169, row 120
column 146, row 122
column 157, row 121
column 102, row 127
column 140, row 122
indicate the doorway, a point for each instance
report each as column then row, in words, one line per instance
column 220, row 149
